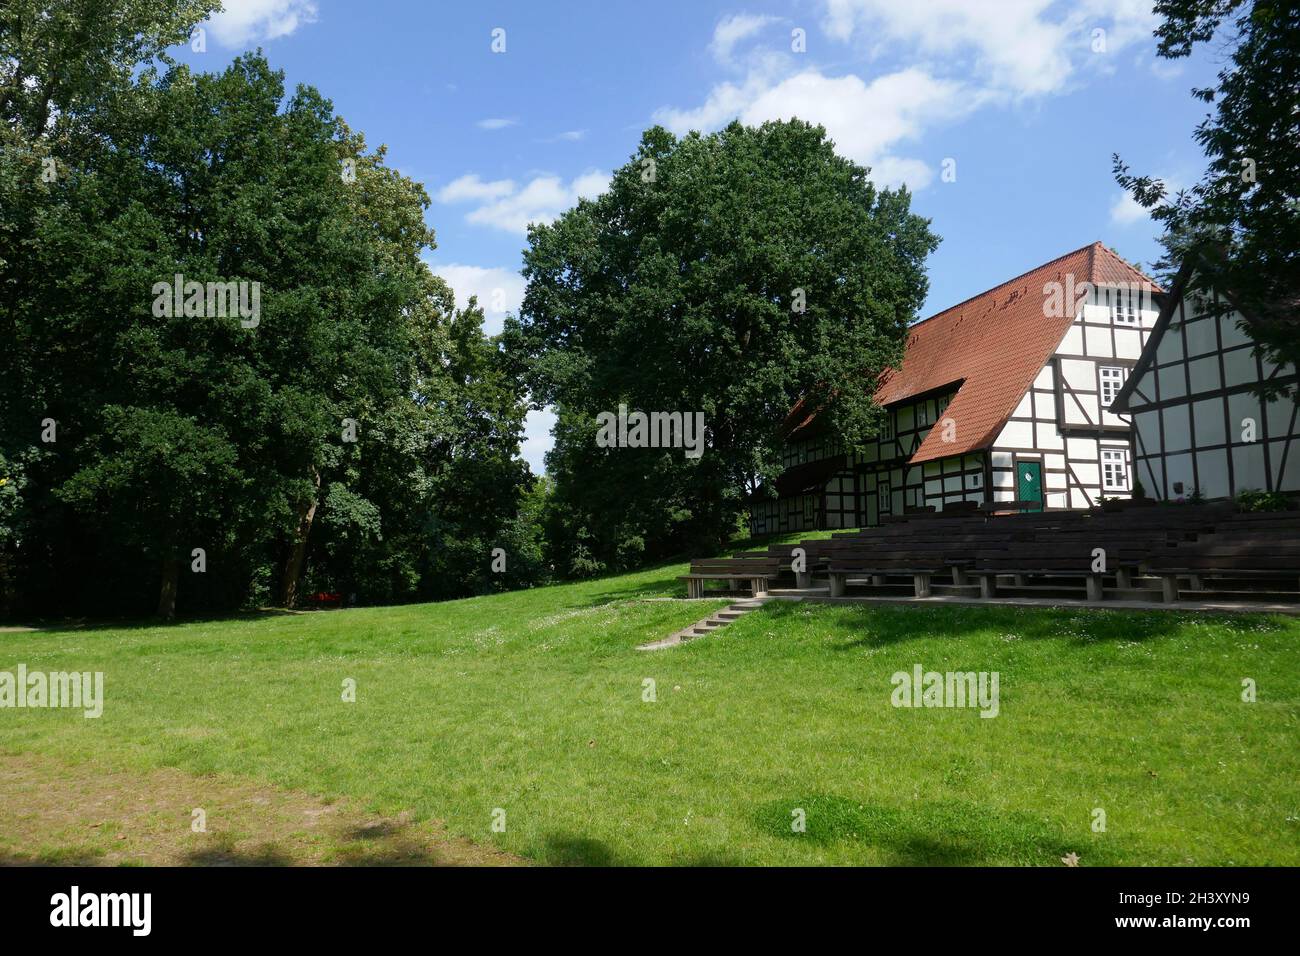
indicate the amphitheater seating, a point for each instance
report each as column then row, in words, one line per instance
column 1260, row 547
column 1135, row 549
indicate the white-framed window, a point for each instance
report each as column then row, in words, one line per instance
column 975, row 479
column 922, row 414
column 1123, row 310
column 887, row 427
column 1112, row 380
column 883, row 498
column 1114, row 469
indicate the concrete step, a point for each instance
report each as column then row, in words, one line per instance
column 961, row 590
column 1217, row 594
column 702, row 628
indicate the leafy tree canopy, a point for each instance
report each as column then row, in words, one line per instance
column 325, row 440
column 732, row 274
column 1240, row 224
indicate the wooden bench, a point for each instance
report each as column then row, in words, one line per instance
column 921, row 559
column 1217, row 557
column 1036, row 519
column 1035, row 559
column 755, row 572
column 957, row 510
column 1176, row 543
column 880, row 565
column 815, row 554
column 1127, row 552
column 993, row 507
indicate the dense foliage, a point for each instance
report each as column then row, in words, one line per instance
column 731, row 275
column 353, row 432
column 1240, row 224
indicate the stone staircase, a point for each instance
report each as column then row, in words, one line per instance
column 708, row 625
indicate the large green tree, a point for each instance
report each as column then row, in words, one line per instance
column 732, row 274
column 437, row 483
column 357, row 430
column 1240, row 224
column 184, row 431
column 60, row 61
column 59, row 57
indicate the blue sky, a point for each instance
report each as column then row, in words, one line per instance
column 1028, row 98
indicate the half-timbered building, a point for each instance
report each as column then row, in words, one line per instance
column 1003, row 397
column 1200, row 425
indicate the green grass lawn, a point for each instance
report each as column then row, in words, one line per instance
column 532, row 702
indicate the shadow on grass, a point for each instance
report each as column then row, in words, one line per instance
column 61, row 857
column 84, row 626
column 665, row 583
column 566, row 849
column 265, row 855
column 938, row 833
column 874, row 625
column 270, row 855
column 384, row 844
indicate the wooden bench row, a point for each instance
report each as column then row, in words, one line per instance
column 1174, row 543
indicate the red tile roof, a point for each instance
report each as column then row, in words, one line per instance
column 994, row 344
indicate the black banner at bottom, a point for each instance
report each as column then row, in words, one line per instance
column 336, row 905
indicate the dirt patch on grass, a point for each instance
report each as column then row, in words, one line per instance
column 52, row 812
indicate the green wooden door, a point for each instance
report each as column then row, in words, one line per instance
column 1029, row 483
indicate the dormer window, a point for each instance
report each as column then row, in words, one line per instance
column 1123, row 310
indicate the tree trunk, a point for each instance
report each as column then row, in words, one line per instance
column 171, row 574
column 298, row 548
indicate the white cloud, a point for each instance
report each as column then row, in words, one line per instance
column 866, row 121
column 243, row 22
column 1126, row 21
column 511, row 209
column 1125, row 210
column 573, row 135
column 496, row 122
column 724, row 102
column 590, row 185
column 471, row 187
column 1017, row 47
column 499, row 290
column 538, row 439
column 963, row 55
column 732, row 30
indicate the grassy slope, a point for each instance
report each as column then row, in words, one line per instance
column 532, row 702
